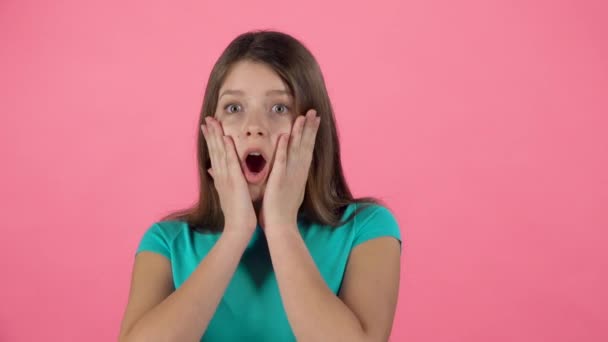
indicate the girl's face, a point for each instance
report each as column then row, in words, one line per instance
column 255, row 107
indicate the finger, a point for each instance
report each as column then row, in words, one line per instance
column 220, row 151
column 204, row 131
column 310, row 131
column 296, row 132
column 208, row 134
column 280, row 160
column 232, row 161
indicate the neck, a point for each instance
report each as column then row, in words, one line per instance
column 257, row 207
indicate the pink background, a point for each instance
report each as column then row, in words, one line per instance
column 481, row 123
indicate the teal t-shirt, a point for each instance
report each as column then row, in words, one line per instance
column 251, row 308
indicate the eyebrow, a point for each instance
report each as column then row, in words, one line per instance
column 240, row 92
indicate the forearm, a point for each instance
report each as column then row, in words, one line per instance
column 314, row 312
column 185, row 314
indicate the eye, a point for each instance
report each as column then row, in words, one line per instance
column 283, row 107
column 229, row 106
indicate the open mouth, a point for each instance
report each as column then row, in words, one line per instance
column 255, row 167
column 255, row 162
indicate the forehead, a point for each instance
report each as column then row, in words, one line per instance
column 253, row 78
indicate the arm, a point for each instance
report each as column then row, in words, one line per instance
column 366, row 305
column 156, row 312
column 364, row 310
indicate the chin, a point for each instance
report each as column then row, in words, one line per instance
column 256, row 192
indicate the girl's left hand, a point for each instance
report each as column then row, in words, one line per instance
column 287, row 181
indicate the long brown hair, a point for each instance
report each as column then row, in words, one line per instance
column 327, row 195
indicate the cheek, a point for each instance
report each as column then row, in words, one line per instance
column 229, row 128
column 286, row 126
column 283, row 127
column 232, row 131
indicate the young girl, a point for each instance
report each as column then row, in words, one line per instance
column 277, row 248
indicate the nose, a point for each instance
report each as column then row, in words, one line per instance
column 255, row 126
column 254, row 131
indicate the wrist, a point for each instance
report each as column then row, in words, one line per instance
column 281, row 227
column 280, row 221
column 237, row 233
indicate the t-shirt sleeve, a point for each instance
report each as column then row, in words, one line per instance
column 373, row 222
column 155, row 239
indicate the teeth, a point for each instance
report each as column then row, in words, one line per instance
column 254, row 154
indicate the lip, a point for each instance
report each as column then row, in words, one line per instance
column 257, row 150
column 255, row 178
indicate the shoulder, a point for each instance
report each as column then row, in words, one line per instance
column 167, row 230
column 371, row 212
column 159, row 236
column 371, row 221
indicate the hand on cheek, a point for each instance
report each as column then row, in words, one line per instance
column 287, row 181
column 228, row 180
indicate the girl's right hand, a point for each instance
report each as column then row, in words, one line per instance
column 232, row 188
